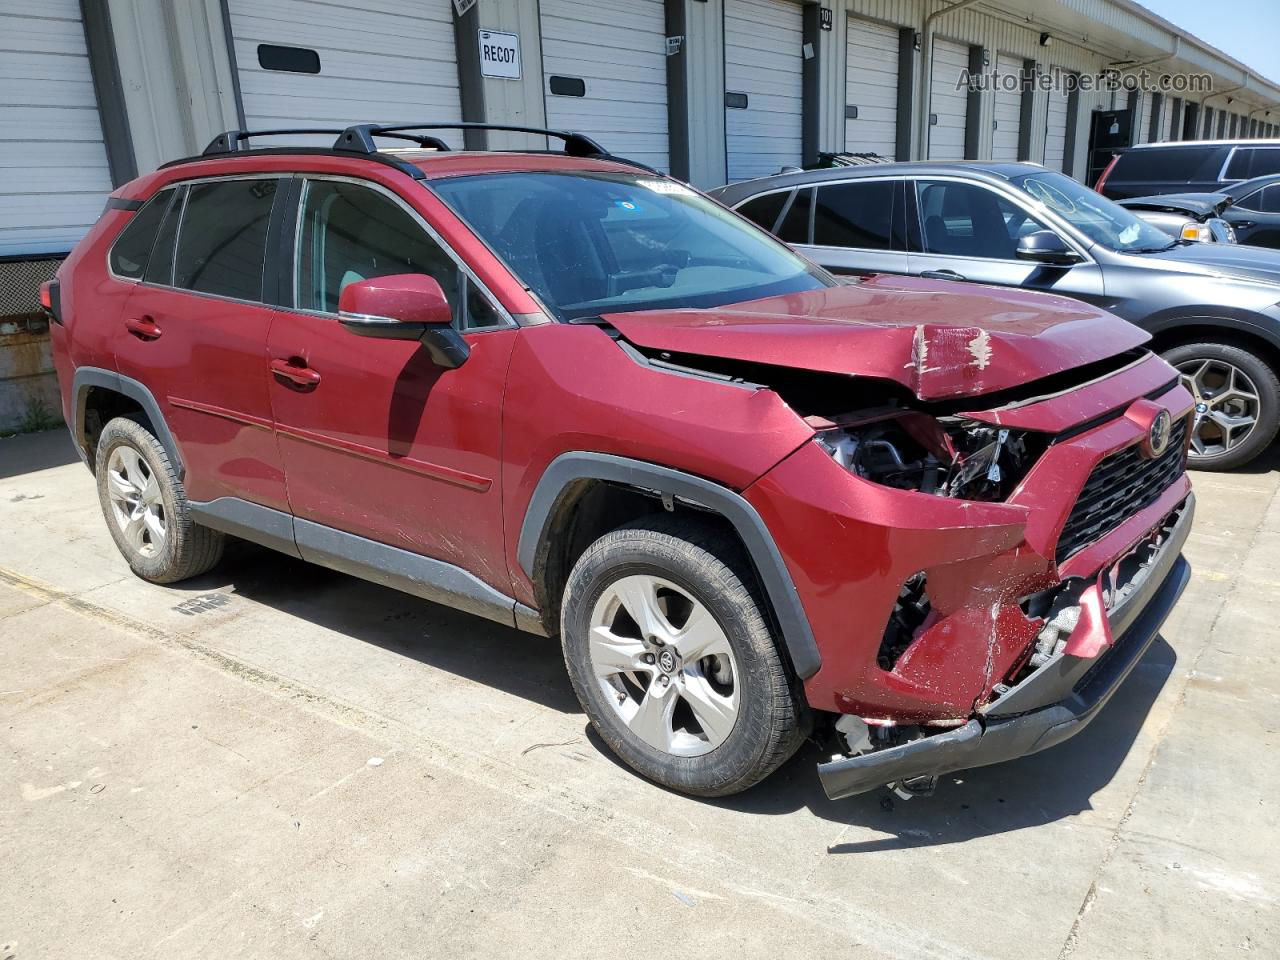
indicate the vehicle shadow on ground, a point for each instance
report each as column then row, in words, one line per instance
column 467, row 646
column 1002, row 798
column 1012, row 796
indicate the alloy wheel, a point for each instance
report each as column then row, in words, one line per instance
column 1226, row 411
column 136, row 502
column 665, row 665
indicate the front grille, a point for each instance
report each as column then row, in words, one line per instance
column 1119, row 486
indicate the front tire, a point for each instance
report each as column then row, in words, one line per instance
column 673, row 660
column 146, row 507
column 1237, row 403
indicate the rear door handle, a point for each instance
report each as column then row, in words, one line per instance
column 144, row 328
column 943, row 275
column 296, row 372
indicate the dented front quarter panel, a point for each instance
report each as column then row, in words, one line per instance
column 850, row 545
column 977, row 340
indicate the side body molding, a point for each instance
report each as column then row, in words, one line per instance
column 773, row 573
column 86, row 377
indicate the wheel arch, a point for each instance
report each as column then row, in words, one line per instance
column 1246, row 332
column 572, row 475
column 86, row 384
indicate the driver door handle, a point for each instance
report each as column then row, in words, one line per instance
column 296, row 372
column 943, row 275
column 144, row 328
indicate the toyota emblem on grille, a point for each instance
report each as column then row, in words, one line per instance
column 1158, row 437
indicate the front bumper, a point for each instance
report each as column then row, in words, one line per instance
column 1053, row 704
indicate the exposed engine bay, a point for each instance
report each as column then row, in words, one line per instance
column 944, row 456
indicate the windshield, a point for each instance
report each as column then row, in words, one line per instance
column 594, row 243
column 1092, row 214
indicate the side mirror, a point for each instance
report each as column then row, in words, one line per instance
column 1045, row 246
column 407, row 306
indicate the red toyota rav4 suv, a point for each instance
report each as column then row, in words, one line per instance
column 938, row 523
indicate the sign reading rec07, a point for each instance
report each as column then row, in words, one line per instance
column 499, row 55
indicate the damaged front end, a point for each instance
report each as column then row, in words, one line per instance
column 1114, row 620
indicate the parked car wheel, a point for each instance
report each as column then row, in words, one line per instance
column 146, row 507
column 673, row 659
column 1237, row 403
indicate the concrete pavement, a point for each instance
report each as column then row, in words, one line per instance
column 279, row 761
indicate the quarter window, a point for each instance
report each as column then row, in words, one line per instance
column 351, row 233
column 132, row 250
column 855, row 215
column 222, row 243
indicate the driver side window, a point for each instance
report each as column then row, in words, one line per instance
column 348, row 233
column 966, row 220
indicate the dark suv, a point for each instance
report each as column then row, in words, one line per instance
column 1199, row 166
column 557, row 390
column 1213, row 309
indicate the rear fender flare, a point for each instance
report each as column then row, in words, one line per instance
column 776, row 580
column 86, row 377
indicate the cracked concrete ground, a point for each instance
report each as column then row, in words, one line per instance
column 280, row 761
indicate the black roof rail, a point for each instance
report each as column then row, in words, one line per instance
column 359, row 138
column 237, row 141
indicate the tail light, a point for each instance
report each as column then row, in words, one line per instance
column 49, row 301
column 1102, row 180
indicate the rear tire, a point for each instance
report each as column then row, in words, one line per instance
column 1237, row 403
column 146, row 507
column 699, row 698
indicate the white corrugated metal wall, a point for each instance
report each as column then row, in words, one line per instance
column 617, row 48
column 763, row 66
column 53, row 160
column 395, row 61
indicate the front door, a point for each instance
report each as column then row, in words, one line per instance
column 966, row 231
column 382, row 443
column 194, row 330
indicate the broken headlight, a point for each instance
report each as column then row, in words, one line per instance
column 947, row 457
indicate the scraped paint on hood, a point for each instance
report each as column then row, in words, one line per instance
column 976, row 340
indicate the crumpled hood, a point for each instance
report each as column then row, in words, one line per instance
column 938, row 338
column 1196, row 204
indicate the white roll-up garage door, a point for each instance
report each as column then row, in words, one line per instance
column 53, row 161
column 386, row 61
column 1055, row 130
column 1141, row 118
column 947, row 103
column 871, row 88
column 1008, row 109
column 764, row 90
column 605, row 69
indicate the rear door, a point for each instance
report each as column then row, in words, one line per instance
column 1256, row 217
column 858, row 227
column 382, row 444
column 194, row 331
column 963, row 230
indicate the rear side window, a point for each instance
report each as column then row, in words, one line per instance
column 855, row 215
column 795, row 222
column 764, row 211
column 1266, row 200
column 1174, row 163
column 222, row 243
column 1253, row 162
column 132, row 249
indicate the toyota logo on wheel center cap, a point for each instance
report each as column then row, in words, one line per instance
column 667, row 661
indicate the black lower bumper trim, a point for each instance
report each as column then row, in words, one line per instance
column 994, row 739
